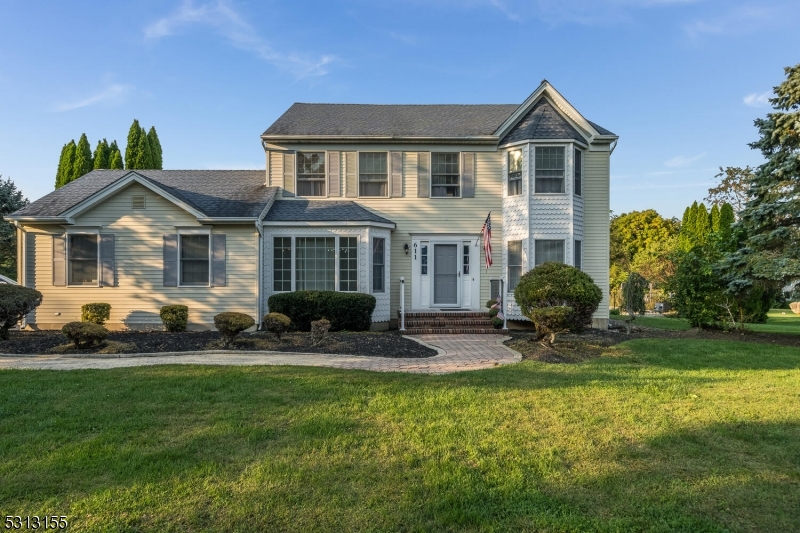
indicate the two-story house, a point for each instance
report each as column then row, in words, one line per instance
column 354, row 197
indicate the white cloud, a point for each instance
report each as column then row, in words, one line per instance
column 220, row 16
column 115, row 93
column 758, row 100
column 512, row 15
column 682, row 160
column 741, row 20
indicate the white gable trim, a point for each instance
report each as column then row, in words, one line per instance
column 122, row 183
column 566, row 109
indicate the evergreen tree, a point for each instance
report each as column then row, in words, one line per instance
column 770, row 220
column 702, row 224
column 155, row 149
column 726, row 219
column 67, row 164
column 11, row 199
column 83, row 158
column 116, row 160
column 714, row 217
column 112, row 148
column 132, row 147
column 60, row 170
column 101, row 155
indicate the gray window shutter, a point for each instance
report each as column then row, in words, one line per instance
column 288, row 174
column 107, row 263
column 468, row 174
column 423, row 175
column 397, row 175
column 60, row 260
column 351, row 174
column 333, row 174
column 30, row 260
column 218, row 268
column 170, row 260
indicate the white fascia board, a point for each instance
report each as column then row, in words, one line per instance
column 120, row 184
column 40, row 220
column 227, row 220
column 321, row 223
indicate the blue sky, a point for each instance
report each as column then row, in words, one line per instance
column 679, row 80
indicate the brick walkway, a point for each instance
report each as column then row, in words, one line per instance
column 456, row 353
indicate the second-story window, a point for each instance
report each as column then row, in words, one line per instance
column 549, row 169
column 445, row 175
column 514, row 172
column 373, row 174
column 311, row 173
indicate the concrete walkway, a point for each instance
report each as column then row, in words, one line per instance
column 456, row 353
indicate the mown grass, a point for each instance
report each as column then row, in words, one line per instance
column 778, row 321
column 656, row 435
column 675, row 324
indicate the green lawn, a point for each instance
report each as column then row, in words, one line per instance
column 678, row 435
column 777, row 322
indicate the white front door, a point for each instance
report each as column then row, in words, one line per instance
column 445, row 273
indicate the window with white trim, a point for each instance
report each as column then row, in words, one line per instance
column 378, row 264
column 194, row 260
column 579, row 255
column 311, row 173
column 373, row 174
column 549, row 169
column 578, row 172
column 514, row 172
column 282, row 264
column 445, row 175
column 83, row 259
column 546, row 251
column 514, row 264
column 315, row 263
column 348, row 264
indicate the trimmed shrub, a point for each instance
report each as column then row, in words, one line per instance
column 84, row 334
column 552, row 321
column 175, row 317
column 16, row 302
column 559, row 285
column 497, row 322
column 319, row 328
column 613, row 312
column 346, row 310
column 96, row 313
column 231, row 324
column 490, row 303
column 277, row 324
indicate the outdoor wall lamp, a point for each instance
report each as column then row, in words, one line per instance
column 405, row 248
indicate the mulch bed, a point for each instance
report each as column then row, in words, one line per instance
column 571, row 348
column 383, row 344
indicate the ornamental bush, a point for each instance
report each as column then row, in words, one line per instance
column 350, row 311
column 277, row 324
column 559, row 285
column 84, row 334
column 16, row 302
column 96, row 313
column 175, row 317
column 319, row 328
column 552, row 321
column 231, row 324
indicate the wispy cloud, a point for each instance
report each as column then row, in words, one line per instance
column 222, row 18
column 505, row 10
column 113, row 94
column 682, row 160
column 757, row 100
column 741, row 20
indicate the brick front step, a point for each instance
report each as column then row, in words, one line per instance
column 444, row 314
column 447, row 322
column 454, row 331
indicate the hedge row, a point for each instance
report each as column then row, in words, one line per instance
column 346, row 310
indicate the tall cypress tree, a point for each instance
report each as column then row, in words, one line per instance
column 67, row 163
column 702, row 224
column 714, row 217
column 131, row 148
column 101, row 154
column 115, row 163
column 155, row 149
column 60, row 170
column 83, row 158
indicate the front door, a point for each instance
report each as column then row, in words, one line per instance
column 445, row 274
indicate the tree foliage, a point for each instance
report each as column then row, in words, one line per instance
column 16, row 302
column 732, row 187
column 11, row 200
column 102, row 155
column 143, row 150
column 83, row 158
column 155, row 149
column 66, row 164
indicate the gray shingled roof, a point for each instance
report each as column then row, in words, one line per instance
column 542, row 122
column 321, row 211
column 600, row 129
column 391, row 120
column 215, row 193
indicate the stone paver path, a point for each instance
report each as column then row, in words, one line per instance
column 456, row 353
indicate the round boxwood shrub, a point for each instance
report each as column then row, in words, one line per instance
column 277, row 324
column 350, row 311
column 551, row 321
column 175, row 317
column 84, row 334
column 559, row 285
column 231, row 324
column 16, row 302
column 96, row 313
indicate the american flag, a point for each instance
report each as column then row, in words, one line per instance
column 486, row 233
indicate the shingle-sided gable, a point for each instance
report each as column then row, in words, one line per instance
column 542, row 122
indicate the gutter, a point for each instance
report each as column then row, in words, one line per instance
column 379, row 139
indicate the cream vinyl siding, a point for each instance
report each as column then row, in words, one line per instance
column 596, row 223
column 139, row 293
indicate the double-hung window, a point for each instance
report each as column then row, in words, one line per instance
column 373, row 174
column 282, row 264
column 549, row 169
column 445, row 175
column 579, row 255
column 548, row 251
column 83, row 259
column 378, row 264
column 578, row 172
column 348, row 264
column 514, row 172
column 195, row 258
column 311, row 173
column 514, row 264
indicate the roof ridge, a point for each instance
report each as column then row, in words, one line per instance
column 407, row 105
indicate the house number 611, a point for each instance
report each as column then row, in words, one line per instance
column 415, row 251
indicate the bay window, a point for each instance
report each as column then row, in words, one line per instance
column 549, row 169
column 548, row 251
column 378, row 264
column 315, row 263
column 514, row 264
column 514, row 172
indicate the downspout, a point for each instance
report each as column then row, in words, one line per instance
column 260, row 270
column 613, row 146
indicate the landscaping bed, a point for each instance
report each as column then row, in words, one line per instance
column 383, row 344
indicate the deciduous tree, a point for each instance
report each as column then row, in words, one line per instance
column 732, row 187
